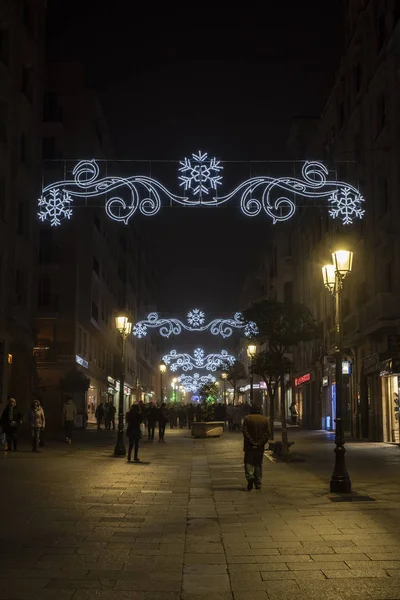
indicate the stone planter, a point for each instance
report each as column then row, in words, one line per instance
column 207, row 429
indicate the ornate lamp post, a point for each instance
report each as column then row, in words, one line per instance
column 333, row 276
column 251, row 352
column 224, row 376
column 163, row 369
column 124, row 326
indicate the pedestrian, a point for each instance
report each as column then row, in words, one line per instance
column 69, row 414
column 162, row 419
column 113, row 410
column 37, row 422
column 134, row 418
column 10, row 421
column 256, row 432
column 99, row 414
column 293, row 413
column 190, row 415
column 151, row 421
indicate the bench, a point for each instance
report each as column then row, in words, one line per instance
column 276, row 447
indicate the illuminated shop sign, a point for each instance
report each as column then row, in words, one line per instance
column 81, row 361
column 302, row 379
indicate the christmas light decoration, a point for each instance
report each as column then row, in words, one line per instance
column 195, row 322
column 192, row 383
column 211, row 362
column 200, row 175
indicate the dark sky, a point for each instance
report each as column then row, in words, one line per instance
column 224, row 81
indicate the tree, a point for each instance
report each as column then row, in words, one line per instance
column 208, row 394
column 236, row 372
column 281, row 326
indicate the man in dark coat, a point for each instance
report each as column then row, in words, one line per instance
column 256, row 432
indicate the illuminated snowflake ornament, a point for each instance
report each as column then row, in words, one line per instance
column 139, row 330
column 345, row 205
column 195, row 318
column 200, row 174
column 55, row 207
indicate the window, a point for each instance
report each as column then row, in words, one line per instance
column 357, row 77
column 2, row 199
column 27, row 83
column 288, row 291
column 52, row 111
column 381, row 113
column 96, row 267
column 23, row 150
column 44, row 289
column 381, row 31
column 5, row 47
column 49, row 148
column 3, row 121
column 95, row 311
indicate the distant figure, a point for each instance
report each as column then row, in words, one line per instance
column 134, row 418
column 99, row 414
column 256, row 433
column 151, row 421
column 69, row 414
column 107, row 416
column 38, row 422
column 190, row 415
column 162, row 419
column 112, row 410
column 10, row 421
column 293, row 413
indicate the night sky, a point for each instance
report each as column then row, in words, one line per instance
column 226, row 82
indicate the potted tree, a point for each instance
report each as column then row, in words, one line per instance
column 208, row 426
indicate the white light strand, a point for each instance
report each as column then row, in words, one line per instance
column 200, row 175
column 192, row 383
column 195, row 322
column 210, row 362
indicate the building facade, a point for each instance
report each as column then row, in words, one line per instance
column 21, row 80
column 90, row 269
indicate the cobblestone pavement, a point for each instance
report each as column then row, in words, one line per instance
column 78, row 524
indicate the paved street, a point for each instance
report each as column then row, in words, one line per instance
column 79, row 524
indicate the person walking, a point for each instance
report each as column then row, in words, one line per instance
column 162, row 419
column 256, row 432
column 99, row 414
column 293, row 413
column 113, row 410
column 134, row 418
column 69, row 414
column 10, row 421
column 151, row 421
column 37, row 422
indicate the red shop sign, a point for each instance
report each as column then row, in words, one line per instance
column 302, row 379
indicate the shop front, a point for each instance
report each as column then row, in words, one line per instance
column 390, row 377
column 302, row 386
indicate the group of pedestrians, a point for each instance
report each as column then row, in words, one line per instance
column 11, row 420
column 105, row 412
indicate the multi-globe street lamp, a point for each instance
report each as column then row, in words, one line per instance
column 333, row 276
column 163, row 369
column 224, row 377
column 124, row 326
column 251, row 352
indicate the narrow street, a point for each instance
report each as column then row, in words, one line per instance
column 79, row 524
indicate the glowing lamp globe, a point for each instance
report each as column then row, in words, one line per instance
column 251, row 350
column 123, row 324
column 163, row 368
column 329, row 277
column 343, row 261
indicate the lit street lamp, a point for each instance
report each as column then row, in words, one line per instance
column 124, row 326
column 251, row 352
column 224, row 376
column 163, row 369
column 333, row 276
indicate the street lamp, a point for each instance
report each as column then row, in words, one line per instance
column 163, row 369
column 333, row 276
column 224, row 376
column 251, row 352
column 124, row 326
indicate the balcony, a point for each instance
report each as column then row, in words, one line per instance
column 379, row 312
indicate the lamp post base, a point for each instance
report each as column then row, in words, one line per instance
column 340, row 486
column 340, row 480
column 120, row 449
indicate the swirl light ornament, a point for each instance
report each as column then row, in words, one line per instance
column 192, row 383
column 199, row 360
column 200, row 176
column 195, row 322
